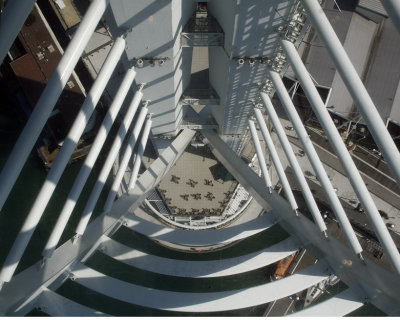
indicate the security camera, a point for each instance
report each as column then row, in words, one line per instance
column 251, row 61
column 241, row 61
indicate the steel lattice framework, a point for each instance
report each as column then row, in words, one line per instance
column 245, row 78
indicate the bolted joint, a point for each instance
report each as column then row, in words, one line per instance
column 268, row 61
column 281, row 30
column 139, row 62
column 75, row 238
column 146, row 103
column 126, row 32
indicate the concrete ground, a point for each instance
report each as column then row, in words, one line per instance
column 199, row 168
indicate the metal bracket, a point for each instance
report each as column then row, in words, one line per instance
column 141, row 62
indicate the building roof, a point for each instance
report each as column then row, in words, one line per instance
column 373, row 5
column 383, row 77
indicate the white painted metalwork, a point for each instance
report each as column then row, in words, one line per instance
column 41, row 275
column 139, row 154
column 392, row 8
column 307, row 192
column 263, row 166
column 204, row 236
column 101, row 180
column 88, row 164
column 11, row 22
column 238, row 202
column 199, row 269
column 61, row 161
column 133, row 137
column 55, row 305
column 338, row 306
column 378, row 284
column 355, row 86
column 206, row 223
column 278, row 166
column 48, row 99
column 343, row 154
column 314, row 159
column 381, row 284
column 200, row 302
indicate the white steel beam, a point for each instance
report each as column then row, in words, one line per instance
column 101, row 180
column 344, row 156
column 263, row 166
column 314, row 159
column 49, row 97
column 199, row 269
column 139, row 154
column 88, row 164
column 308, row 196
column 337, row 306
column 355, row 86
column 56, row 305
column 11, row 22
column 133, row 137
column 204, row 237
column 277, row 163
column 393, row 10
column 37, row 275
column 61, row 162
column 200, row 301
column 381, row 290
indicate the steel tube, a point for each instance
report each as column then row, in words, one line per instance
column 139, row 154
column 343, row 154
column 101, row 180
column 261, row 159
column 125, row 160
column 315, row 161
column 355, row 86
column 48, row 99
column 88, row 164
column 12, row 20
column 392, row 8
column 61, row 161
column 278, row 167
column 305, row 189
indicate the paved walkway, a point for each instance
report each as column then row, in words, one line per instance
column 193, row 184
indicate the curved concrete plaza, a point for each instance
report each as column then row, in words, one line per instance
column 194, row 185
